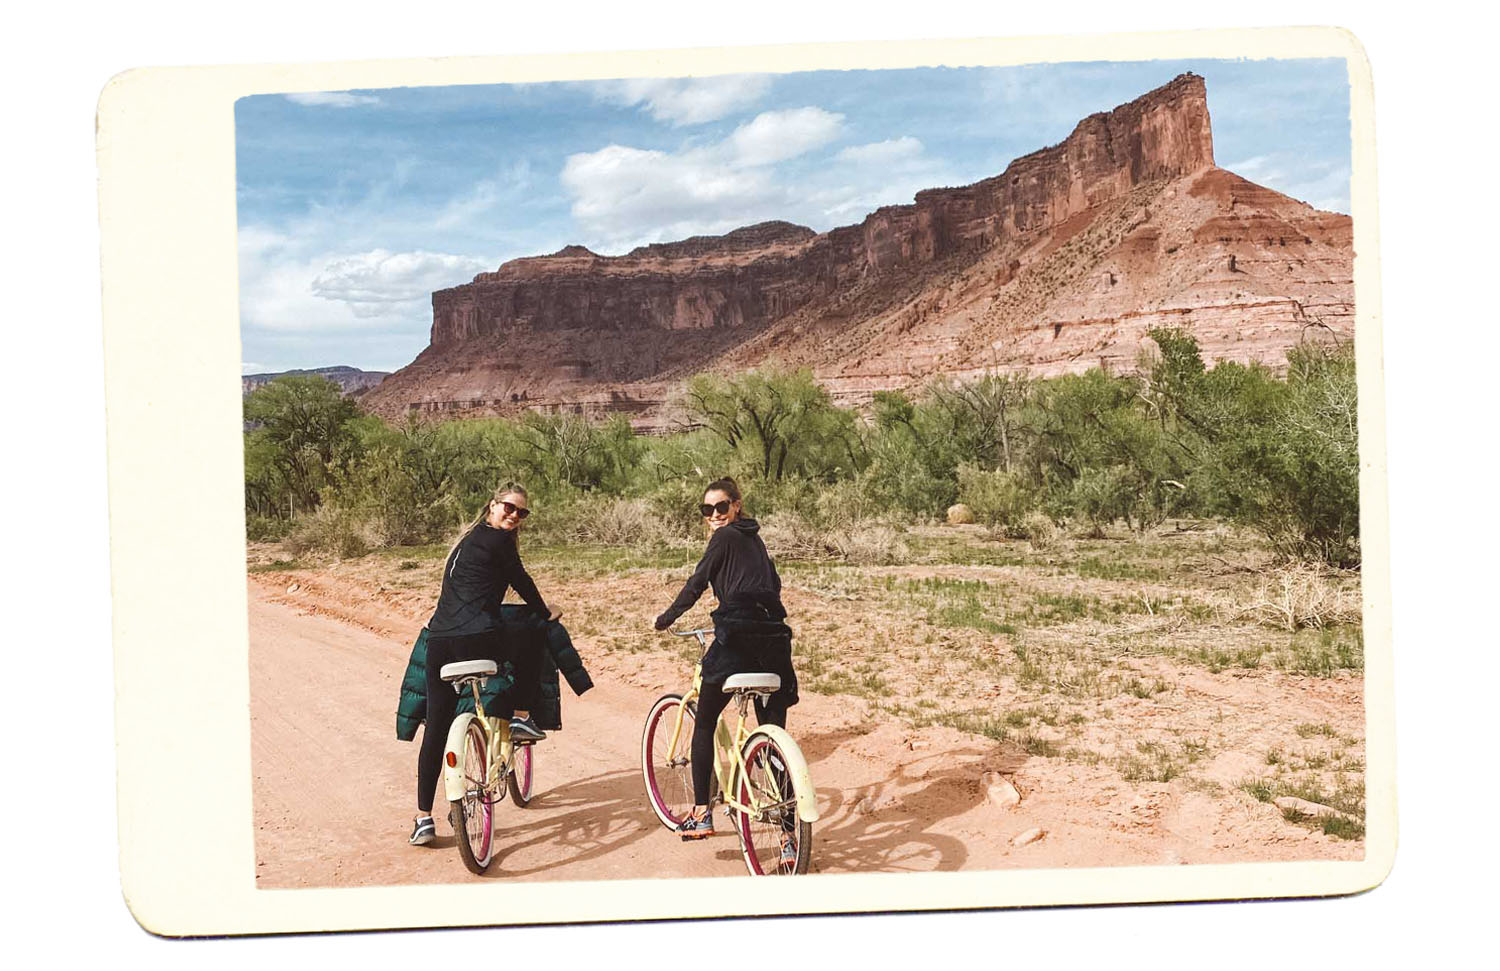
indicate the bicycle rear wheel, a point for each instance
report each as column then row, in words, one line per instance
column 775, row 841
column 472, row 815
column 668, row 775
column 521, row 775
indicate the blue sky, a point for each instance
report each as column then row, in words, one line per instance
column 354, row 206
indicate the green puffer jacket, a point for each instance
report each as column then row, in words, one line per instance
column 560, row 656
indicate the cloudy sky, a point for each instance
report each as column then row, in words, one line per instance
column 354, row 206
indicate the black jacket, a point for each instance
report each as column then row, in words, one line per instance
column 480, row 569
column 740, row 571
column 750, row 633
column 411, row 709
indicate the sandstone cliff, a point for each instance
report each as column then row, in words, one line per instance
column 1060, row 263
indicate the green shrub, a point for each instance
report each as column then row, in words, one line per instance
column 265, row 529
column 998, row 499
column 1041, row 531
column 331, row 531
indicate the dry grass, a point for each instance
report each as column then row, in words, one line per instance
column 1299, row 597
column 791, row 537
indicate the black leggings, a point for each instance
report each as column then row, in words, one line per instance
column 442, row 702
column 711, row 703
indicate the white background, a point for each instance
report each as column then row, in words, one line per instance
column 1434, row 122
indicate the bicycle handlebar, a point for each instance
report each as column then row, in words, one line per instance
column 691, row 633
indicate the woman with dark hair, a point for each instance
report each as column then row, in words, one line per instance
column 750, row 633
column 467, row 625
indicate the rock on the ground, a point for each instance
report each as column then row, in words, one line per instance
column 959, row 514
column 1030, row 836
column 999, row 790
column 1305, row 808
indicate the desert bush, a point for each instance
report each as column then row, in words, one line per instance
column 676, row 502
column 263, row 529
column 1043, row 534
column 1101, row 496
column 998, row 499
column 1300, row 596
column 790, row 536
column 960, row 514
column 330, row 531
column 848, row 502
column 591, row 519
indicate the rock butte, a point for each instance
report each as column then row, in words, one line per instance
column 1061, row 263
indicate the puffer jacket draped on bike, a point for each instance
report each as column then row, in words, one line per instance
column 518, row 621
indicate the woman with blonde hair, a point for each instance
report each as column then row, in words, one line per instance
column 468, row 625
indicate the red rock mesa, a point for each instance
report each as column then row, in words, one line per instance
column 1061, row 263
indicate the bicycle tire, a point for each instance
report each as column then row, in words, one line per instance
column 522, row 778
column 761, row 839
column 473, row 814
column 669, row 784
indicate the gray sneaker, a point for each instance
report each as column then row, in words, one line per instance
column 525, row 730
column 423, row 831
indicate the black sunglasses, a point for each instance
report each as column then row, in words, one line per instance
column 521, row 512
column 721, row 507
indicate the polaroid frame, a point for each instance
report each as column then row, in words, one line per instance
column 166, row 153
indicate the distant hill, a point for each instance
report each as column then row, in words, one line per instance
column 351, row 379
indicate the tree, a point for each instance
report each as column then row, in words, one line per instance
column 783, row 420
column 300, row 435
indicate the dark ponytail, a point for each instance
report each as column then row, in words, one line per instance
column 725, row 485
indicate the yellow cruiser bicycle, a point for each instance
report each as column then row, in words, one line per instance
column 761, row 777
column 480, row 762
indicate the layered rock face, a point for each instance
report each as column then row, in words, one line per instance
column 1060, row 263
column 352, row 380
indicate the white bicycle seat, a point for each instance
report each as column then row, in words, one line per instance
column 467, row 669
column 757, row 683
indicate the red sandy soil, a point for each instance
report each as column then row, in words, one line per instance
column 334, row 789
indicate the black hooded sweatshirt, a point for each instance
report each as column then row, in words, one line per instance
column 738, row 567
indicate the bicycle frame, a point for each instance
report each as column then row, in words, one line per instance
column 729, row 761
column 499, row 750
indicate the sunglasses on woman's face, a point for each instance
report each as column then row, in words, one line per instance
column 721, row 507
column 511, row 509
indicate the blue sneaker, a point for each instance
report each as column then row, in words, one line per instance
column 697, row 827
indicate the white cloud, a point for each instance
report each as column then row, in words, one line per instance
column 892, row 151
column 370, row 283
column 775, row 136
column 484, row 196
column 332, row 99
column 688, row 101
column 623, row 196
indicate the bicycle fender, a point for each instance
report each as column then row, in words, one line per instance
column 453, row 775
column 807, row 796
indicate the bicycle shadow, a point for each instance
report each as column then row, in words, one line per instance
column 887, row 825
column 588, row 818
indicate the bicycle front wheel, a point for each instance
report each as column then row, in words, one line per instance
column 666, row 769
column 521, row 775
column 472, row 815
column 775, row 841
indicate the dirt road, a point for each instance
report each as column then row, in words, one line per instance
column 335, row 790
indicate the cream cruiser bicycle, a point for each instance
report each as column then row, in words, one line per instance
column 480, row 762
column 761, row 777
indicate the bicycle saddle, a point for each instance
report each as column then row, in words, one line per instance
column 467, row 669
column 758, row 683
